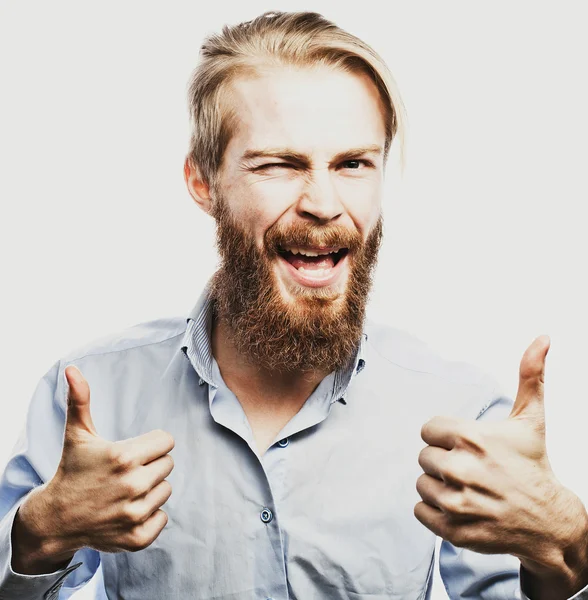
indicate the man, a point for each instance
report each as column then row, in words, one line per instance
column 297, row 426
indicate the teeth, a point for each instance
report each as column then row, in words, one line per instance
column 304, row 252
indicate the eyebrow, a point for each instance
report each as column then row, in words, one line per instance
column 288, row 154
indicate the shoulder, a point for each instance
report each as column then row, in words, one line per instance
column 158, row 332
column 397, row 348
column 126, row 363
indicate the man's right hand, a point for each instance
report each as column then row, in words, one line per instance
column 104, row 495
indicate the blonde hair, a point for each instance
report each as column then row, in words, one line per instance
column 276, row 38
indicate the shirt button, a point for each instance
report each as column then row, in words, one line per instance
column 266, row 515
column 283, row 443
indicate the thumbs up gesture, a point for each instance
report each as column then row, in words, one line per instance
column 104, row 495
column 489, row 487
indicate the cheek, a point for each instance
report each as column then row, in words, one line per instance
column 262, row 203
column 257, row 207
column 278, row 192
column 363, row 202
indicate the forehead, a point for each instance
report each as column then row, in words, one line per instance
column 307, row 109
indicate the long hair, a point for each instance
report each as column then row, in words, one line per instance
column 273, row 39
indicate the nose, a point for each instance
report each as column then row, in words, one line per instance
column 319, row 200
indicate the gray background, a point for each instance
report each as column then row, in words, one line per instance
column 485, row 233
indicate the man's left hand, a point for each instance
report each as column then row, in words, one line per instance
column 489, row 487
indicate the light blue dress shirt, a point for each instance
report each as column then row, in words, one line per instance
column 325, row 513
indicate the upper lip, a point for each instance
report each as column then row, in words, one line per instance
column 311, row 250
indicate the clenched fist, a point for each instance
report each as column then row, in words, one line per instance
column 489, row 487
column 104, row 495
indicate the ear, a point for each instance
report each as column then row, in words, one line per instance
column 198, row 188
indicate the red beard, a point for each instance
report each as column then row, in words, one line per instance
column 315, row 332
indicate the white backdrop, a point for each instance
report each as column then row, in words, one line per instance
column 485, row 242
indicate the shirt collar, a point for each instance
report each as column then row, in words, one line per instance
column 196, row 343
column 197, row 347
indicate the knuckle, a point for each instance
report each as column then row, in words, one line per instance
column 444, row 466
column 161, row 494
column 140, row 536
column 132, row 488
column 458, row 470
column 133, row 514
column 137, row 540
column 456, row 504
column 121, row 459
column 471, row 440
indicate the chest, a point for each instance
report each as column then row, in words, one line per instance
column 329, row 513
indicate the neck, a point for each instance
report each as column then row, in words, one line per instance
column 267, row 387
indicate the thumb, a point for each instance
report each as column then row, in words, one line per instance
column 529, row 402
column 78, row 402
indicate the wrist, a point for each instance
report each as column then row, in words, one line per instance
column 562, row 564
column 37, row 547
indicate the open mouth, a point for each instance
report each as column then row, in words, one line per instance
column 314, row 267
column 312, row 259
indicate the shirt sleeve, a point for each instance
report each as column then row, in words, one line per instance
column 468, row 574
column 33, row 461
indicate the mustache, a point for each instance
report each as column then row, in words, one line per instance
column 309, row 234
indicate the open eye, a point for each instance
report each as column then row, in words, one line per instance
column 356, row 164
